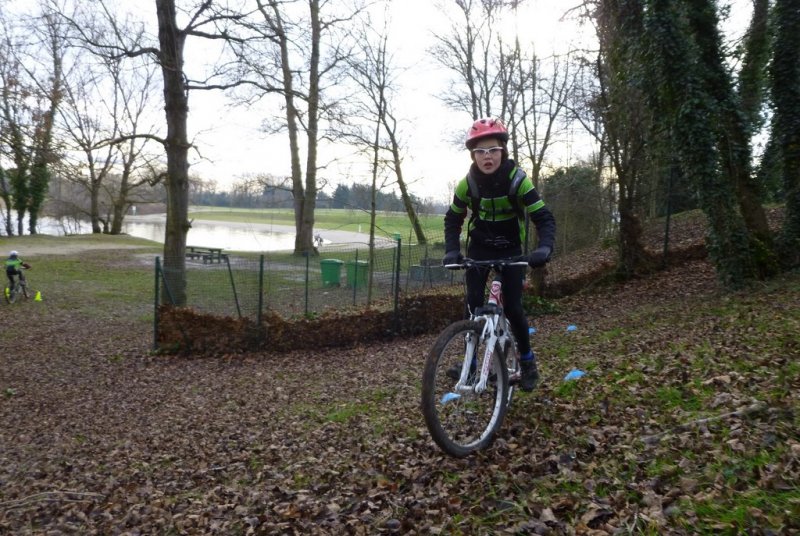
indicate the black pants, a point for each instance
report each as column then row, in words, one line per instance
column 513, row 277
column 11, row 273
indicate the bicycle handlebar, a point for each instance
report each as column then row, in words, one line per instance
column 494, row 263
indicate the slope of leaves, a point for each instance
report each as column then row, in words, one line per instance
column 685, row 423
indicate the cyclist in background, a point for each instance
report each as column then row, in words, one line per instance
column 13, row 264
column 496, row 230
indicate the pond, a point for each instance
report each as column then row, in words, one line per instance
column 226, row 235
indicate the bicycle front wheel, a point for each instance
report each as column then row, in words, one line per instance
column 465, row 421
column 511, row 359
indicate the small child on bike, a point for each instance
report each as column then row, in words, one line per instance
column 13, row 264
column 496, row 229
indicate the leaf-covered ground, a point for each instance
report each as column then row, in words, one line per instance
column 685, row 423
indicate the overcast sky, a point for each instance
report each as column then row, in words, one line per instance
column 433, row 162
column 230, row 142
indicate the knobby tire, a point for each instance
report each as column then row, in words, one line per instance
column 511, row 359
column 462, row 423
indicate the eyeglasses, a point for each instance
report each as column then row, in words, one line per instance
column 487, row 151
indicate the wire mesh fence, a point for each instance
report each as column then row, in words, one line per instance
column 339, row 276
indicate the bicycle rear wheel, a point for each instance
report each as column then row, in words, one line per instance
column 465, row 421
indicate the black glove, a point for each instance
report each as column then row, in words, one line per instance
column 452, row 257
column 539, row 256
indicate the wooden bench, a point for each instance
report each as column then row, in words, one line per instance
column 206, row 254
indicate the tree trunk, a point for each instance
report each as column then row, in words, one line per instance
column 681, row 95
column 94, row 204
column 304, row 239
column 626, row 122
column 176, row 107
column 785, row 80
column 4, row 195
column 633, row 259
column 401, row 183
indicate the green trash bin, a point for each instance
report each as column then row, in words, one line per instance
column 331, row 272
column 357, row 273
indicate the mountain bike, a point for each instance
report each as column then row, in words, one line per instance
column 464, row 413
column 16, row 291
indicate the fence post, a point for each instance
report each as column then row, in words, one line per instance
column 260, row 288
column 355, row 278
column 307, row 280
column 156, row 301
column 397, row 284
column 233, row 286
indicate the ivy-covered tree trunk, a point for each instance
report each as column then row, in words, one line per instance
column 5, row 195
column 19, row 196
column 39, row 183
column 785, row 88
column 44, row 154
column 752, row 81
column 680, row 93
column 732, row 132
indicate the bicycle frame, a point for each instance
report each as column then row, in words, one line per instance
column 465, row 417
column 494, row 326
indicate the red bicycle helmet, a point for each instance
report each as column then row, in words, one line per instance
column 488, row 127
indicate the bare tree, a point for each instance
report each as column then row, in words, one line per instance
column 304, row 46
column 372, row 72
column 205, row 20
column 493, row 77
column 538, row 107
column 469, row 51
column 108, row 102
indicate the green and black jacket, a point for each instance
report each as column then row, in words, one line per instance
column 498, row 225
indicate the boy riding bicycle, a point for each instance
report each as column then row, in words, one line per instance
column 500, row 197
column 13, row 264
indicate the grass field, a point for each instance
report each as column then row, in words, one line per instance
column 386, row 223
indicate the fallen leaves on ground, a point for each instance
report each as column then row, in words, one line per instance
column 685, row 422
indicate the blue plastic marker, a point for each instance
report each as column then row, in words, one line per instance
column 572, row 327
column 531, row 331
column 574, row 374
column 449, row 397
